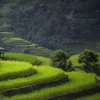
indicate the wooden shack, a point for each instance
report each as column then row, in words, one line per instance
column 2, row 51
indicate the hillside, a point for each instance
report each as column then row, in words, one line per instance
column 16, row 44
column 71, row 25
column 22, row 79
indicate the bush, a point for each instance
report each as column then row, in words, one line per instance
column 89, row 58
column 59, row 59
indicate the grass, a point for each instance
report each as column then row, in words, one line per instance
column 44, row 74
column 76, row 83
column 75, row 62
column 34, row 60
column 16, row 44
column 78, row 80
column 23, row 57
column 6, row 33
column 90, row 97
column 9, row 69
column 16, row 41
column 44, row 61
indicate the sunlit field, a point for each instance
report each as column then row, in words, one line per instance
column 34, row 60
column 76, row 83
column 20, row 72
column 14, row 69
column 43, row 74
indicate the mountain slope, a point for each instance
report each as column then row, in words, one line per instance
column 16, row 44
column 72, row 25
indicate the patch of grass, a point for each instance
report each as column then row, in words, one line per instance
column 34, row 60
column 23, row 57
column 10, row 70
column 76, row 83
column 90, row 97
column 15, row 44
column 45, row 61
column 75, row 62
column 16, row 41
column 6, row 33
column 78, row 80
column 98, row 78
column 44, row 74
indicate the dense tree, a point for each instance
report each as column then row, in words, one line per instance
column 59, row 59
column 89, row 59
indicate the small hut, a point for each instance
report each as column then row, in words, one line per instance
column 2, row 51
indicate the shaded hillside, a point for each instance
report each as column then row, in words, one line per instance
column 71, row 25
column 15, row 44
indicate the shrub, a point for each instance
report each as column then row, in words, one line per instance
column 59, row 59
column 89, row 58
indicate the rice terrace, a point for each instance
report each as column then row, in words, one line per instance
column 49, row 49
column 21, row 79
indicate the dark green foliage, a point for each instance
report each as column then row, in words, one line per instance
column 69, row 66
column 89, row 58
column 14, row 44
column 64, row 24
column 59, row 59
column 97, row 70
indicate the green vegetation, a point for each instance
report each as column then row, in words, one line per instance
column 32, row 26
column 34, row 60
column 74, row 60
column 76, row 83
column 44, row 74
column 59, row 59
column 10, row 70
column 90, row 97
column 16, row 41
column 41, row 29
column 99, row 58
column 89, row 59
column 75, row 63
column 6, row 33
column 25, row 85
column 13, row 43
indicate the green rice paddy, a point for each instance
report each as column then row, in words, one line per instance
column 34, row 60
column 44, row 74
column 91, row 97
column 14, row 69
column 76, row 83
column 21, row 70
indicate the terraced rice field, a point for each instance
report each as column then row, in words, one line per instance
column 43, row 75
column 34, row 60
column 52, row 91
column 14, row 69
column 24, row 81
column 91, row 97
